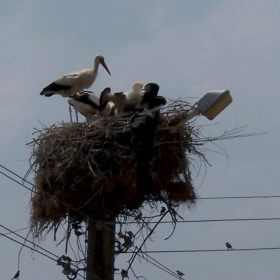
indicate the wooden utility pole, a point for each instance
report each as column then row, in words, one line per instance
column 101, row 249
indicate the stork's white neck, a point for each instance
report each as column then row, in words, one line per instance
column 95, row 65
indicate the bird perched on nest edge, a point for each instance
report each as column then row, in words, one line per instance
column 124, row 101
column 87, row 103
column 72, row 83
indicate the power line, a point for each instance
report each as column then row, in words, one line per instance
column 211, row 220
column 22, row 244
column 32, row 248
column 28, row 247
column 7, row 169
column 164, row 222
column 152, row 252
column 156, row 263
column 14, row 232
column 174, row 251
column 229, row 220
column 200, row 198
column 9, row 177
column 240, row 197
column 210, row 250
column 11, row 232
column 66, row 205
column 160, row 266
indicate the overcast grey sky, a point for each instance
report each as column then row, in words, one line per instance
column 188, row 48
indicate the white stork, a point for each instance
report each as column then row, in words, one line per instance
column 72, row 83
column 88, row 104
column 124, row 101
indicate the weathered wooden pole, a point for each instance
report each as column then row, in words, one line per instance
column 101, row 249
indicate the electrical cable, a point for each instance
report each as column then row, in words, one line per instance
column 65, row 204
column 240, row 197
column 33, row 192
column 194, row 221
column 28, row 247
column 14, row 232
column 7, row 169
column 163, row 267
column 32, row 248
column 11, row 232
column 200, row 198
column 171, row 251
column 209, row 250
column 163, row 222
column 211, row 220
column 16, row 181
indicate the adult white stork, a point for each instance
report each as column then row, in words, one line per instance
column 88, row 104
column 72, row 83
column 124, row 101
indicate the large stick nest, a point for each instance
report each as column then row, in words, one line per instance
column 90, row 169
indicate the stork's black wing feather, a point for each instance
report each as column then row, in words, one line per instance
column 53, row 87
column 84, row 99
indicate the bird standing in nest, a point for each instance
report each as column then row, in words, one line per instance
column 124, row 101
column 138, row 98
column 72, row 83
column 150, row 99
column 87, row 103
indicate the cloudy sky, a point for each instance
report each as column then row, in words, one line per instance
column 188, row 48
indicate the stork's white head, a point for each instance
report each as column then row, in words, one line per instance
column 99, row 59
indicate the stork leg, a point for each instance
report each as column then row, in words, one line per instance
column 70, row 112
column 76, row 115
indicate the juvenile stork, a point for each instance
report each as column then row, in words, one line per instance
column 72, row 83
column 88, row 104
column 124, row 101
column 150, row 99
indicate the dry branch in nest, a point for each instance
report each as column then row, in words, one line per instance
column 92, row 169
